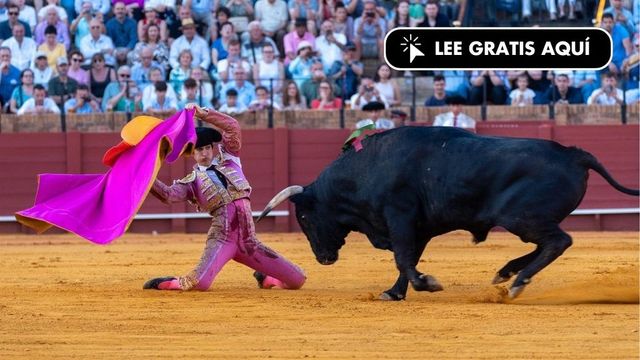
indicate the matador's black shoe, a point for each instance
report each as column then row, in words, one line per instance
column 154, row 283
column 260, row 278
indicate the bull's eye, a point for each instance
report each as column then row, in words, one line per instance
column 302, row 217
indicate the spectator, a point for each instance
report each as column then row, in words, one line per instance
column 75, row 71
column 309, row 87
column 42, row 73
column 100, row 75
column 375, row 120
column 433, row 17
column 346, row 73
column 416, row 12
column 175, row 27
column 96, row 42
column 182, row 72
column 233, row 60
column 370, row 30
column 401, row 16
column 97, row 6
column 61, row 29
column 300, row 67
column 52, row 47
column 273, row 16
column 586, row 81
column 134, row 9
column 342, row 22
column 39, row 104
column 304, row 9
column 562, row 93
column 27, row 14
column 164, row 8
column 572, row 6
column 9, row 75
column 152, row 41
column 62, row 86
column 608, row 94
column 269, row 72
column 621, row 15
column 621, row 42
column 241, row 11
column 140, row 71
column 219, row 48
column 522, row 96
column 262, row 100
column 82, row 102
column 193, row 42
column 191, row 94
column 245, row 90
column 161, row 104
column 292, row 99
column 151, row 18
column 79, row 27
column 22, row 92
column 326, row 9
column 252, row 47
column 6, row 27
column 455, row 117
column 122, row 95
column 201, row 13
column 204, row 89
column 630, row 68
column 222, row 15
column 495, row 83
column 330, row 45
column 23, row 49
column 325, row 99
column 539, row 82
column 386, row 86
column 122, row 31
column 439, row 97
column 149, row 91
column 457, row 83
column 367, row 93
column 295, row 37
column 232, row 105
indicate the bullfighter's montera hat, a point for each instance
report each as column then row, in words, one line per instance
column 373, row 106
column 207, row 136
column 455, row 100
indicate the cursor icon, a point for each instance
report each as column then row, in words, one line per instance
column 413, row 52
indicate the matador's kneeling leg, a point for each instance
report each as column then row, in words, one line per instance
column 162, row 283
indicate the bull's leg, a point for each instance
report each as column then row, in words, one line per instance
column 551, row 244
column 514, row 266
column 399, row 290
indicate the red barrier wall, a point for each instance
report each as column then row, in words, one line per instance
column 276, row 158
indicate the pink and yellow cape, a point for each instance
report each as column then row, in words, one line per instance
column 100, row 207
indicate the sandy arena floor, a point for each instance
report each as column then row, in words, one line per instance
column 64, row 298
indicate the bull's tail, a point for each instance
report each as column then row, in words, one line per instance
column 591, row 162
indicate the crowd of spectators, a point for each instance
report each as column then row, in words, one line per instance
column 88, row 56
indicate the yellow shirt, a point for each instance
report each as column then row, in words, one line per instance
column 53, row 55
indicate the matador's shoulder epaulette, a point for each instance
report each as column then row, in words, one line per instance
column 188, row 179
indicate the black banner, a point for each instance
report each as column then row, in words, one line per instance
column 497, row 48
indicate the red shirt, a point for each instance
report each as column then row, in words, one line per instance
column 335, row 105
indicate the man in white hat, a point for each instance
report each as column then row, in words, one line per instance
column 42, row 72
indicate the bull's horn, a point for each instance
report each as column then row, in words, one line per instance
column 282, row 196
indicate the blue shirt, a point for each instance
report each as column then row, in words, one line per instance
column 618, row 34
column 8, row 82
column 246, row 93
column 123, row 35
column 84, row 109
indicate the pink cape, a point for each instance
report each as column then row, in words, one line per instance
column 100, row 207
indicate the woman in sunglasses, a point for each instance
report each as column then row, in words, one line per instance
column 100, row 75
column 76, row 72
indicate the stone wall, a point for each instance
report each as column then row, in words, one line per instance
column 330, row 119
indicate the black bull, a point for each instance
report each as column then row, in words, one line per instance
column 411, row 184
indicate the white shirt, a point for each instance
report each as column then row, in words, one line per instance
column 42, row 77
column 199, row 50
column 462, row 120
column 62, row 13
column 329, row 52
column 223, row 65
column 28, row 15
column 272, row 17
column 30, row 105
column 598, row 97
column 238, row 109
column 90, row 47
column 527, row 95
column 381, row 123
column 362, row 101
column 21, row 54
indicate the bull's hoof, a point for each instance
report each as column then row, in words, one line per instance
column 515, row 291
column 426, row 283
column 389, row 296
column 155, row 283
column 499, row 279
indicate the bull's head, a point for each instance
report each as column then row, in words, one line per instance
column 316, row 220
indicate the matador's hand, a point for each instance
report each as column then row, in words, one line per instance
column 201, row 113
